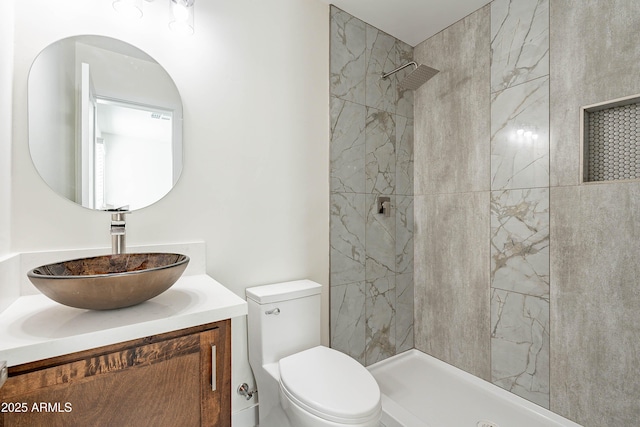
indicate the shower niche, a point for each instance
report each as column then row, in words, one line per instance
column 611, row 140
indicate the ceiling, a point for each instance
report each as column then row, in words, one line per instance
column 411, row 21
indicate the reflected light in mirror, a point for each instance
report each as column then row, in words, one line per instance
column 129, row 8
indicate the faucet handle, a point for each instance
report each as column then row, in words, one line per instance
column 123, row 209
column 118, row 229
column 117, row 215
column 384, row 206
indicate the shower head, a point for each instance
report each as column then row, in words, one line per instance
column 416, row 78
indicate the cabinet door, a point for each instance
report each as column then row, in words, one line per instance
column 165, row 383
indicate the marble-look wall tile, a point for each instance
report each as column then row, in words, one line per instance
column 371, row 155
column 347, row 228
column 404, row 234
column 520, row 241
column 380, row 136
column 595, row 310
column 404, row 312
column 347, row 146
column 381, row 319
column 380, row 238
column 347, row 56
column 404, row 105
column 594, row 58
column 404, row 155
column 520, row 161
column 348, row 321
column 452, row 312
column 381, row 57
column 520, row 345
column 520, row 211
column 452, row 129
column 595, row 228
column 519, row 42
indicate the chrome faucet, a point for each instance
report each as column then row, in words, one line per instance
column 118, row 231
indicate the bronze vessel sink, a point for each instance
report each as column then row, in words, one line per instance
column 110, row 281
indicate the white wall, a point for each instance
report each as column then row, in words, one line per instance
column 254, row 84
column 6, row 74
column 9, row 288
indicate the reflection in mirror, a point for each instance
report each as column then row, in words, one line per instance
column 105, row 123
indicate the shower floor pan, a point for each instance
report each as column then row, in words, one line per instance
column 419, row 390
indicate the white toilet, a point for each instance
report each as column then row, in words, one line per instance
column 301, row 383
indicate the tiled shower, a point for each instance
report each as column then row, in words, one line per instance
column 519, row 198
column 371, row 156
column 524, row 275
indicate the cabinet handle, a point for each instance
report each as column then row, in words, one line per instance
column 213, row 368
column 4, row 372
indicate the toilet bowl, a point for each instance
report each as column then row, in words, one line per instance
column 300, row 382
column 329, row 385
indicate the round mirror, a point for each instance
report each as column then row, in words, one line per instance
column 105, row 123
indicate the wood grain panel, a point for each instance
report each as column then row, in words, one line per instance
column 163, row 380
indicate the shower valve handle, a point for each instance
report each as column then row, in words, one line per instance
column 384, row 206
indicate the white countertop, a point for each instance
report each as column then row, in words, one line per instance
column 35, row 327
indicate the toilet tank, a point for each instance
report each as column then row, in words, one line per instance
column 283, row 319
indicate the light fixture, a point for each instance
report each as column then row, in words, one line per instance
column 180, row 13
column 181, row 18
column 129, row 8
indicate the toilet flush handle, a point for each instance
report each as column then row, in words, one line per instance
column 275, row 311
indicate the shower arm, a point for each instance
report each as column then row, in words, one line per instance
column 385, row 75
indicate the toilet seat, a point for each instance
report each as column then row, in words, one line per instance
column 330, row 385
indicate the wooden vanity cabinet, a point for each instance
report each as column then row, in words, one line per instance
column 161, row 380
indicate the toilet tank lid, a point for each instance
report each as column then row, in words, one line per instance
column 283, row 291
